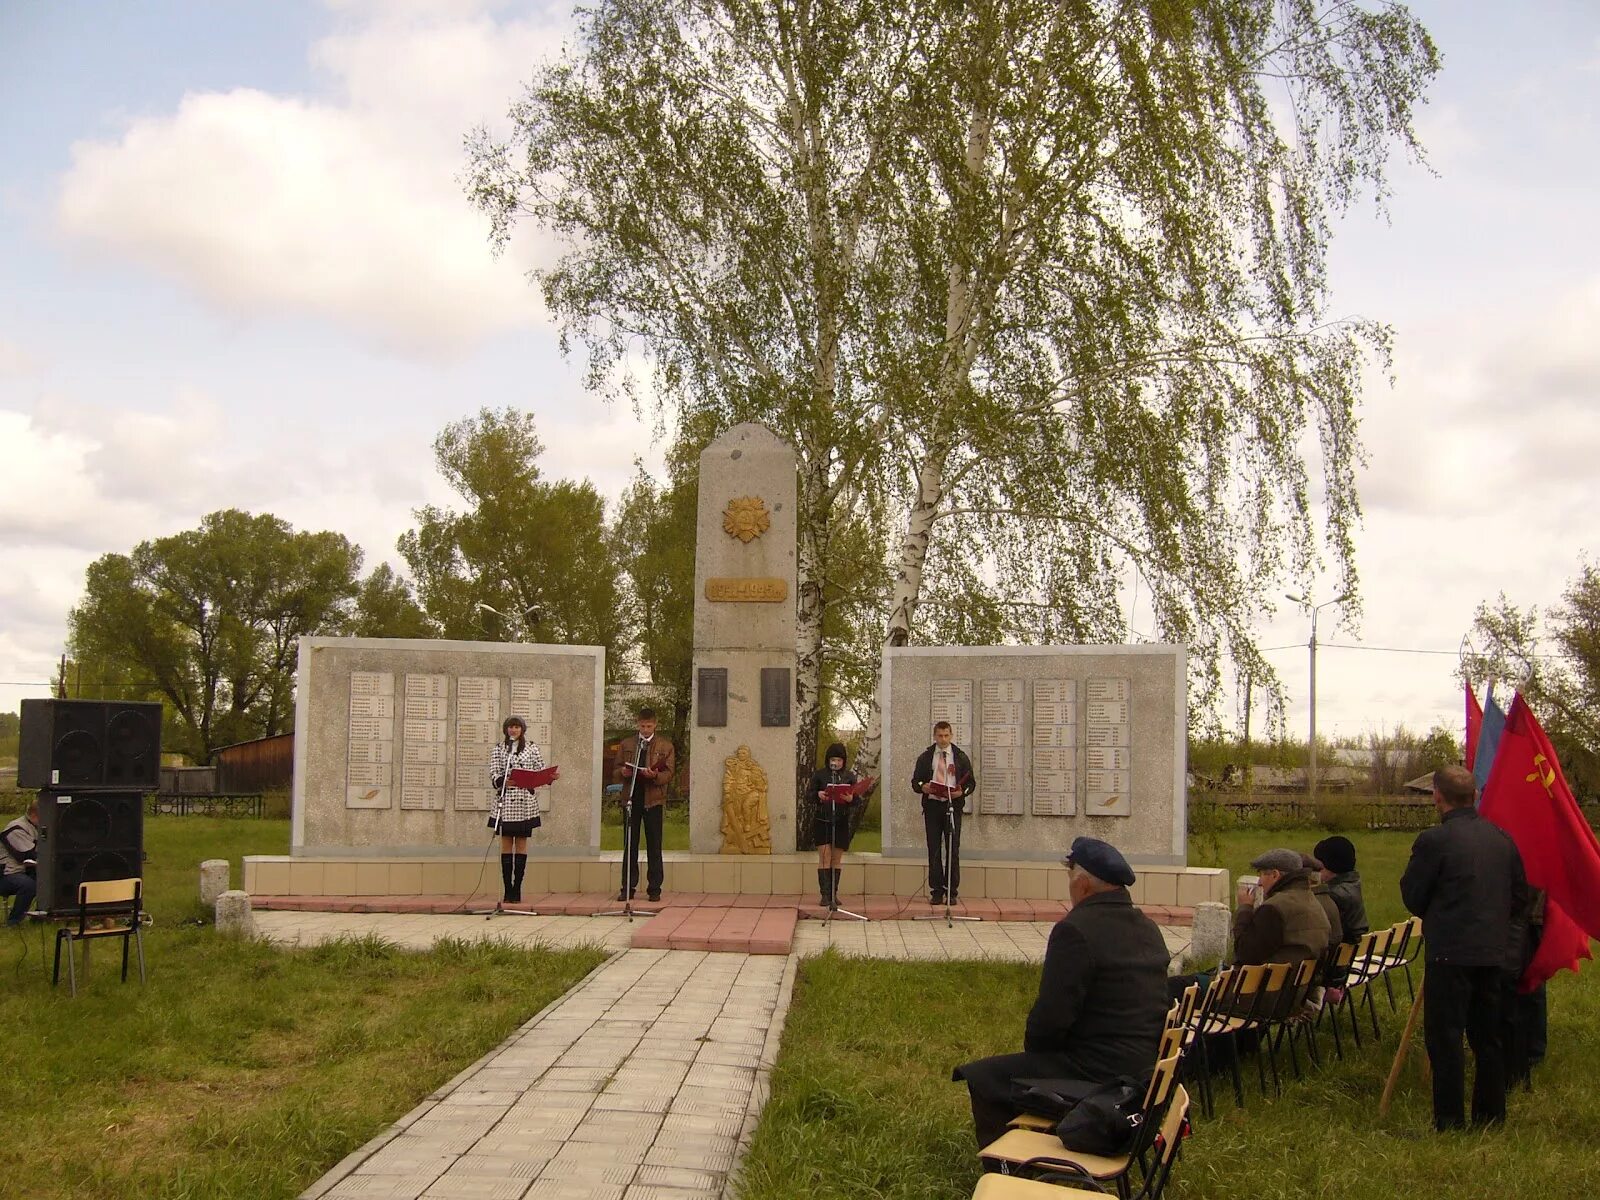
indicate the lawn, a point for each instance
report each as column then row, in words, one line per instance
column 240, row 1070
column 862, row 1105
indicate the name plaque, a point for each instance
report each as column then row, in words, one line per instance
column 1055, row 748
column 775, row 690
column 711, row 698
column 754, row 589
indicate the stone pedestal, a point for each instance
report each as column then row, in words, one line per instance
column 744, row 634
column 214, row 880
column 234, row 915
column 1212, row 924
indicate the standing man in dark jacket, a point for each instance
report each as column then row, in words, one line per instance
column 1102, row 997
column 1465, row 880
column 941, row 766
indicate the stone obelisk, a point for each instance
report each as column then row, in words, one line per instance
column 742, row 730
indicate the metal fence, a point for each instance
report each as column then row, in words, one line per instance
column 1341, row 812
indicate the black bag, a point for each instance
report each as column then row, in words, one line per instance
column 1052, row 1098
column 1106, row 1121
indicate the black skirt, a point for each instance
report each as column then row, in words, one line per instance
column 519, row 829
column 835, row 832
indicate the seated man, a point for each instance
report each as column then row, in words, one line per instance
column 1343, row 883
column 17, row 849
column 1329, row 906
column 1102, row 997
column 1281, row 921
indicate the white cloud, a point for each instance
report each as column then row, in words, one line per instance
column 346, row 207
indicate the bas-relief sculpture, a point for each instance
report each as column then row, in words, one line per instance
column 746, row 828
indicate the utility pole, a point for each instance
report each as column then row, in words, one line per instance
column 1249, row 762
column 1311, row 646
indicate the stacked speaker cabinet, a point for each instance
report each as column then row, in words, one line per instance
column 92, row 761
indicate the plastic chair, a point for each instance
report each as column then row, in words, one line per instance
column 1035, row 1152
column 1058, row 1172
column 113, row 900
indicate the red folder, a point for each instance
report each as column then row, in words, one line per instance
column 843, row 793
column 522, row 777
column 940, row 792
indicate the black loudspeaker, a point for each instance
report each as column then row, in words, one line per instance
column 85, row 837
column 80, row 744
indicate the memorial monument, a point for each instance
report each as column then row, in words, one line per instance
column 1064, row 740
column 392, row 741
column 742, row 728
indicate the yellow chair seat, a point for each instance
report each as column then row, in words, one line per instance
column 1014, row 1187
column 1021, row 1145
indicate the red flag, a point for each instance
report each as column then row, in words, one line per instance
column 1560, row 949
column 1474, row 724
column 1528, row 797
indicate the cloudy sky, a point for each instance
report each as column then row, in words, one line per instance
column 236, row 269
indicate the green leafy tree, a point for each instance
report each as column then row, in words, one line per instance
column 526, row 558
column 1555, row 663
column 386, row 607
column 209, row 620
column 1034, row 288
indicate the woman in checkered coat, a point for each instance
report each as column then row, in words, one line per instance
column 516, row 810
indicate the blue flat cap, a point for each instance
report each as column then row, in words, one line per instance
column 1100, row 859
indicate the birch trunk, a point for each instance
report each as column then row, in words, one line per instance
column 809, row 609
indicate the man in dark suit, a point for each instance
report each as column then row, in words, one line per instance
column 1465, row 880
column 1102, row 997
column 943, row 778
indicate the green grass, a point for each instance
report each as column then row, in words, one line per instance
column 862, row 1104
column 240, row 1070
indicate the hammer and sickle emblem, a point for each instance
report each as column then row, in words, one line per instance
column 1543, row 774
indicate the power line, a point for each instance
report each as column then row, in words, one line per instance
column 1389, row 649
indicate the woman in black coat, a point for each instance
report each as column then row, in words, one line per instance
column 832, row 827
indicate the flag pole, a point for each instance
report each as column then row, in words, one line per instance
column 1400, row 1051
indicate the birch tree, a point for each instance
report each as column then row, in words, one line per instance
column 1037, row 288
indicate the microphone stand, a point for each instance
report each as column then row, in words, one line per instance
column 630, row 846
column 833, row 893
column 500, row 909
column 948, row 841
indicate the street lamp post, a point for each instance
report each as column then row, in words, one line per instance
column 1311, row 646
column 520, row 621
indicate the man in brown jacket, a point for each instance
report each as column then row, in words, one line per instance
column 1282, row 922
column 643, row 765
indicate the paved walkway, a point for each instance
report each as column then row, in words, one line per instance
column 642, row 1083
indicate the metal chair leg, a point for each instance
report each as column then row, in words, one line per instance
column 72, row 969
column 138, row 937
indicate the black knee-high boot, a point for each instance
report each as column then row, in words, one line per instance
column 836, row 873
column 825, row 885
column 519, row 867
column 505, row 874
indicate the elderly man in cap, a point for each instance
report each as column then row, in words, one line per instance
column 1279, row 920
column 1102, row 997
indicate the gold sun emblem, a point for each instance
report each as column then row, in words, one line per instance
column 746, row 518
